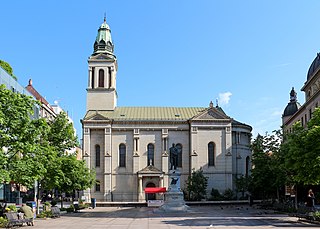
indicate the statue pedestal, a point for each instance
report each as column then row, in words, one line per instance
column 174, row 201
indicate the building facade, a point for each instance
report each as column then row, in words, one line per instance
column 295, row 112
column 128, row 147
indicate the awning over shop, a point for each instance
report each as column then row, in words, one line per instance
column 155, row 189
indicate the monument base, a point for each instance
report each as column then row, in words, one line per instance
column 174, row 201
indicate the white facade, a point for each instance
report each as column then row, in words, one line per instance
column 128, row 147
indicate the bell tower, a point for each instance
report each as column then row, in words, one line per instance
column 101, row 90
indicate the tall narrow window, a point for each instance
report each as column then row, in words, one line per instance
column 97, row 156
column 179, row 151
column 150, row 154
column 98, row 186
column 247, row 166
column 101, row 78
column 92, row 78
column 310, row 113
column 110, row 77
column 122, row 155
column 211, row 155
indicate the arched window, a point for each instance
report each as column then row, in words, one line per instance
column 92, row 78
column 122, row 155
column 247, row 166
column 97, row 156
column 110, row 77
column 101, row 78
column 179, row 151
column 150, row 154
column 97, row 186
column 211, row 154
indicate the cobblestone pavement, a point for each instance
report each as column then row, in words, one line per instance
column 198, row 217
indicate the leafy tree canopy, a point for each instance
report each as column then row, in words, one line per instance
column 196, row 185
column 301, row 151
column 6, row 66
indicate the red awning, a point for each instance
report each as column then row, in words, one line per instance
column 155, row 190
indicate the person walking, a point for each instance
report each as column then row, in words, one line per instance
column 310, row 199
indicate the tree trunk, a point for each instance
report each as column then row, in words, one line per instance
column 61, row 201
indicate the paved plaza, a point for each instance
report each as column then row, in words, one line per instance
column 199, row 217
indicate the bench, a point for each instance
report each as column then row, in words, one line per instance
column 17, row 219
column 55, row 212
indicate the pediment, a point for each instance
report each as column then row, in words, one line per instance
column 96, row 117
column 150, row 169
column 211, row 114
column 102, row 56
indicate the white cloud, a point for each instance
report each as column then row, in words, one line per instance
column 224, row 98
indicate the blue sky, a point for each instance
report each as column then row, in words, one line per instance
column 246, row 54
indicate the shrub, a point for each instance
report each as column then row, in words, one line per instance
column 3, row 222
column 228, row 194
column 12, row 208
column 45, row 214
column 70, row 208
column 215, row 194
column 317, row 215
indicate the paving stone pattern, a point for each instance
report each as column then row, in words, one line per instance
column 215, row 217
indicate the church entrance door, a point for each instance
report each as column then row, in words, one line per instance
column 150, row 196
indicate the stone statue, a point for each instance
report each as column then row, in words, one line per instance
column 173, row 157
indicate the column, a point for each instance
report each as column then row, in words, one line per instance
column 89, row 78
column 107, row 164
column 86, row 156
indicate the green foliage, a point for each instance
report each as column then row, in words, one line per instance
column 243, row 184
column 268, row 173
column 196, row 185
column 45, row 214
column 316, row 215
column 215, row 195
column 76, row 175
column 3, row 222
column 19, row 138
column 6, row 66
column 228, row 194
column 12, row 208
column 301, row 152
column 61, row 135
column 36, row 149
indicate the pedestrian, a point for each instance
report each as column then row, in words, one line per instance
column 310, row 199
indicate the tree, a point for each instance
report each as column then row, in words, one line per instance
column 301, row 150
column 196, row 185
column 6, row 66
column 19, row 138
column 61, row 135
column 268, row 175
column 243, row 184
column 76, row 175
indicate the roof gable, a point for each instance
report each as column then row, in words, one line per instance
column 95, row 117
column 209, row 114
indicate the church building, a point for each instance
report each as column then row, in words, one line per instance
column 128, row 147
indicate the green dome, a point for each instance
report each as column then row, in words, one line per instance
column 103, row 42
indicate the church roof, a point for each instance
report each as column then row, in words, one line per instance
column 314, row 67
column 153, row 113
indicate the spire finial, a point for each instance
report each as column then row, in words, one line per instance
column 105, row 17
column 217, row 104
column 293, row 95
column 211, row 104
